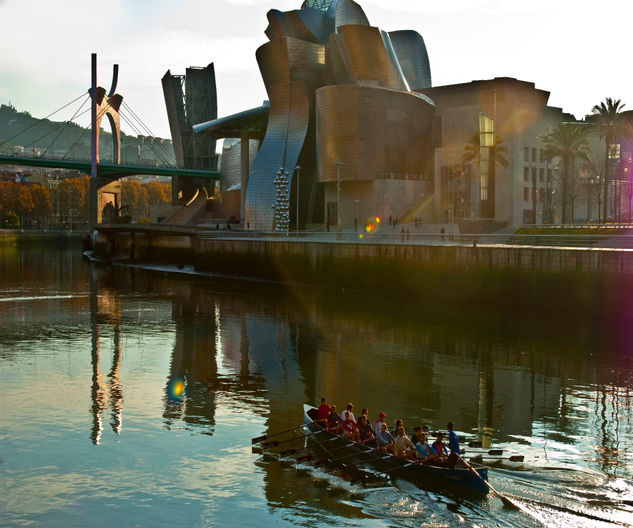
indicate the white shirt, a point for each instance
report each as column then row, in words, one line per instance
column 345, row 413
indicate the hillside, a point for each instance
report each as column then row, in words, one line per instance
column 26, row 135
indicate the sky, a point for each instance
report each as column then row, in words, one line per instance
column 579, row 51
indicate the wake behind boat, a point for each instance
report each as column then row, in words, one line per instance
column 337, row 448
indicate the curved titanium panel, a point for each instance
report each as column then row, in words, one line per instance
column 292, row 70
column 314, row 24
column 308, row 25
column 373, row 131
column 347, row 12
column 363, row 55
column 391, row 53
column 413, row 58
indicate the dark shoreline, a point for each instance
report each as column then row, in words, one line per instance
column 15, row 237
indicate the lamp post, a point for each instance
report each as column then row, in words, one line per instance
column 338, row 195
column 298, row 171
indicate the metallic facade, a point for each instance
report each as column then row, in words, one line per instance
column 191, row 99
column 413, row 58
column 340, row 90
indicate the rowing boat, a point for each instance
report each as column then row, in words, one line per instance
column 459, row 477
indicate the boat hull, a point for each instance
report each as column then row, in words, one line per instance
column 340, row 448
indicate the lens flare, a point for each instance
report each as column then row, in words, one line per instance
column 371, row 224
column 176, row 388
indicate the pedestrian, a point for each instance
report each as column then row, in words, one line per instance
column 402, row 233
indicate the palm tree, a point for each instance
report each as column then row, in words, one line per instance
column 472, row 151
column 567, row 142
column 607, row 118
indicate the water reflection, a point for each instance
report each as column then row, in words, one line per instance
column 558, row 391
column 292, row 349
column 105, row 310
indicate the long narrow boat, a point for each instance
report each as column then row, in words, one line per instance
column 338, row 448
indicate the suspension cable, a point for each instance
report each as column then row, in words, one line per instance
column 64, row 127
column 6, row 141
column 164, row 149
column 133, row 126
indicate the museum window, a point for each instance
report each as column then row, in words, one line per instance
column 541, row 175
column 526, row 174
column 533, row 154
column 526, row 153
column 526, row 194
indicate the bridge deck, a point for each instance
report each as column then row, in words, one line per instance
column 107, row 170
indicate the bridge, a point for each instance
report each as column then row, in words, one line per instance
column 112, row 171
column 107, row 104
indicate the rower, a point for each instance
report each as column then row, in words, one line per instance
column 423, row 451
column 379, row 423
column 453, row 445
column 348, row 411
column 384, row 440
column 365, row 431
column 350, row 427
column 402, row 447
column 333, row 420
column 439, row 449
column 324, row 412
column 417, row 433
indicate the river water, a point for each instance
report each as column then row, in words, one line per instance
column 130, row 397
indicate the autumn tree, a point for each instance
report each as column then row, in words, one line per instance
column 134, row 196
column 42, row 202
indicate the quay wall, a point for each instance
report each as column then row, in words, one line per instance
column 505, row 276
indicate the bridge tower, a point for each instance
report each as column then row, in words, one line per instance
column 103, row 190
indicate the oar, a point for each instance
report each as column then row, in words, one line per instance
column 493, row 452
column 259, row 439
column 503, row 498
column 513, row 458
column 275, row 443
column 351, row 455
column 288, row 452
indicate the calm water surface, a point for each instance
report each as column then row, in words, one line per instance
column 95, row 431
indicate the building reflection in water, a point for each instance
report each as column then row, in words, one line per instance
column 268, row 350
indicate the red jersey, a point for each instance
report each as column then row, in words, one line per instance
column 349, row 426
column 324, row 411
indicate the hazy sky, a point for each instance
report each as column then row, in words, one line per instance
column 580, row 51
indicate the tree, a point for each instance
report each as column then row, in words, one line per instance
column 472, row 151
column 157, row 192
column 567, row 142
column 42, row 203
column 607, row 118
column 72, row 195
column 133, row 195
